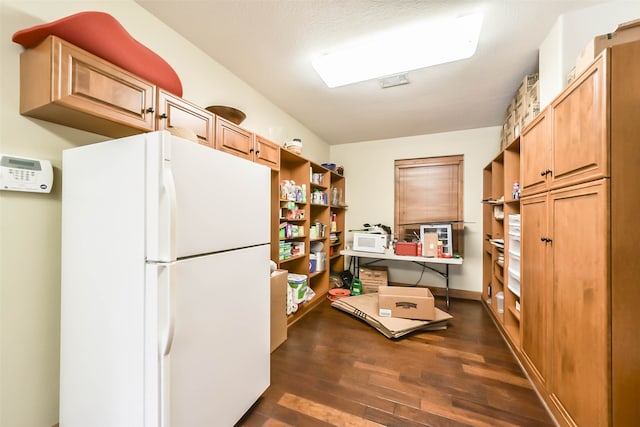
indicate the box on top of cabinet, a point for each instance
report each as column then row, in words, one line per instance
column 626, row 32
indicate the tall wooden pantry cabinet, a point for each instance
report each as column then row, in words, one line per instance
column 580, row 279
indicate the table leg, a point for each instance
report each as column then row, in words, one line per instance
column 446, row 281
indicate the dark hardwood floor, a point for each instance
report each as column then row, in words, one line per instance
column 335, row 370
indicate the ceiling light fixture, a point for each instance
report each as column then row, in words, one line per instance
column 402, row 50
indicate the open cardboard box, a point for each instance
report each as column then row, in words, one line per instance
column 406, row 302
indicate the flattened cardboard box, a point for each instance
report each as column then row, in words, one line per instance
column 405, row 302
column 365, row 308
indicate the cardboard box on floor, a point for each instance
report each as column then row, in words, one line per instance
column 365, row 307
column 406, row 302
column 373, row 277
column 625, row 33
column 278, row 308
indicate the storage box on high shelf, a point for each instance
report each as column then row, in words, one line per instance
column 521, row 110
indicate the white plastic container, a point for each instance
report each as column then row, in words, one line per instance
column 298, row 282
column 500, row 302
column 513, row 283
column 514, row 261
column 514, row 243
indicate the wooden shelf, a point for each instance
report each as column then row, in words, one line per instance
column 514, row 312
column 294, row 167
column 295, row 239
column 293, row 258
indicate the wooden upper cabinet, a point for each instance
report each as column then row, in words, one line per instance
column 534, row 154
column 567, row 143
column 580, row 141
column 174, row 112
column 267, row 152
column 64, row 84
column 233, row 139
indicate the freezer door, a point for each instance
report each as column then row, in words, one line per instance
column 202, row 200
column 214, row 337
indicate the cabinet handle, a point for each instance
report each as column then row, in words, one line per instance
column 150, row 110
column 543, row 239
column 163, row 116
column 257, row 152
column 545, row 172
column 251, row 150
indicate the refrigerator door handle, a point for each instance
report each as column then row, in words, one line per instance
column 166, row 331
column 167, row 214
column 167, row 312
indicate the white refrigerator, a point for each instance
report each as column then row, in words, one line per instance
column 165, row 284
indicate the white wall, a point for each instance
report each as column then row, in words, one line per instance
column 30, row 223
column 369, row 172
column 571, row 33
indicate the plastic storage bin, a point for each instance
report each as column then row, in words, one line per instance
column 514, row 261
column 513, row 282
column 500, row 302
column 514, row 243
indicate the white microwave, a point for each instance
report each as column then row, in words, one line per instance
column 369, row 242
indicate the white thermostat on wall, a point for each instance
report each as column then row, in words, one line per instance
column 25, row 174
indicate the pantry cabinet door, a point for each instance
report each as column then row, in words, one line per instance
column 581, row 349
column 535, row 286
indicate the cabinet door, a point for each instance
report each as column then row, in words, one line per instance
column 535, row 285
column 267, row 152
column 535, row 145
column 580, row 141
column 67, row 85
column 174, row 112
column 580, row 354
column 233, row 139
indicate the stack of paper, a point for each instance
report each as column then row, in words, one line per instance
column 365, row 307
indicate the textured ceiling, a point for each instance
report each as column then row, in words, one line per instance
column 273, row 42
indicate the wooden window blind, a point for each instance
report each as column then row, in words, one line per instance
column 429, row 190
